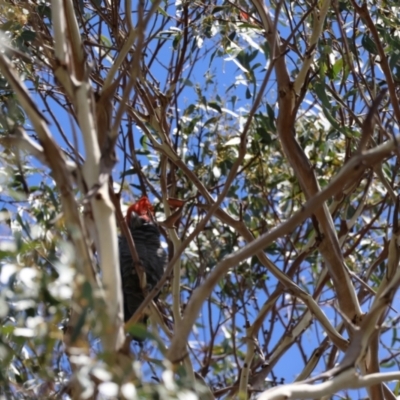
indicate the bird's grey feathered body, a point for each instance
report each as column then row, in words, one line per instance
column 152, row 256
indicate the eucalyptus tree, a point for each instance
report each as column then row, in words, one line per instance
column 265, row 136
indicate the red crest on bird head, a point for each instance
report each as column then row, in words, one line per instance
column 142, row 208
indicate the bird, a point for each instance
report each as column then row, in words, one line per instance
column 152, row 256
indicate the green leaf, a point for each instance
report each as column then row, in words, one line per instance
column 397, row 388
column 87, row 293
column 138, row 331
column 212, row 120
column 105, row 40
column 265, row 48
column 217, row 9
column 176, row 41
column 215, row 106
column 251, row 56
column 190, row 110
column 271, row 113
column 332, row 120
column 131, row 171
column 350, row 211
column 162, row 12
column 248, row 93
column 394, row 336
column 79, row 325
column 337, row 67
column 320, row 91
column 192, row 124
column 369, row 45
column 10, row 26
column 264, row 135
column 186, row 82
column 242, row 58
column 394, row 60
column 143, row 142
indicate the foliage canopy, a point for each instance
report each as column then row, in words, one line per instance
column 265, row 134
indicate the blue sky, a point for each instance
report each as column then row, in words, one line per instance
column 226, row 71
